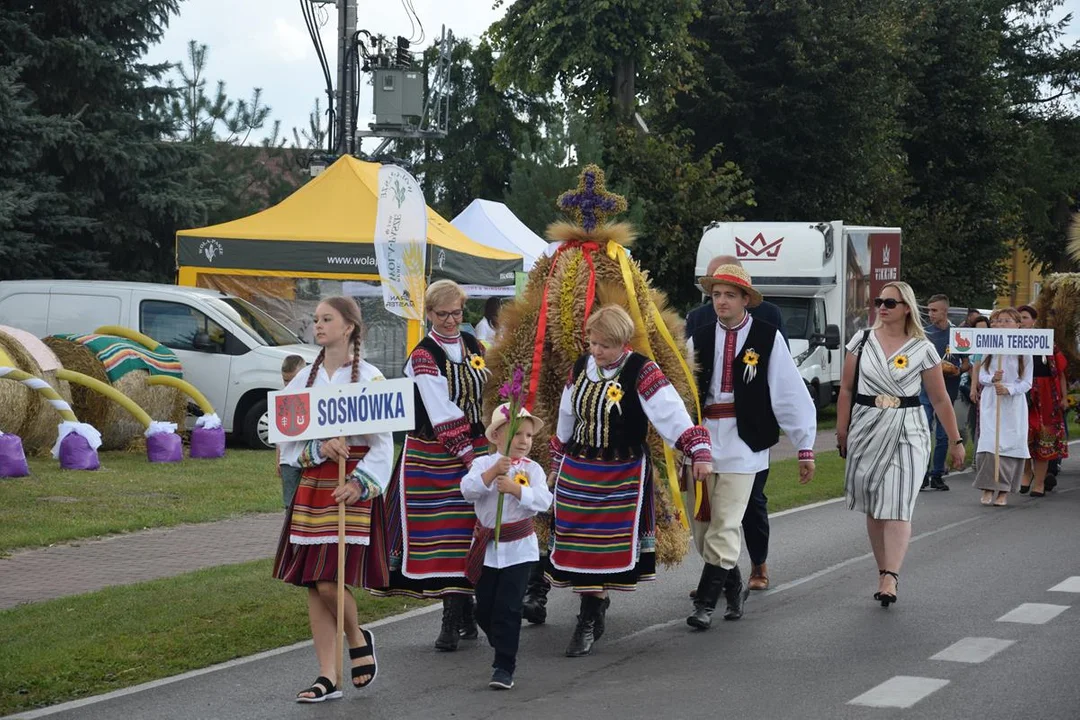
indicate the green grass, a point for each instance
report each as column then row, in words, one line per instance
column 128, row 493
column 89, row 644
column 784, row 490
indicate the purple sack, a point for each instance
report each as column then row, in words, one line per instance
column 208, row 443
column 12, row 458
column 76, row 453
column 164, row 447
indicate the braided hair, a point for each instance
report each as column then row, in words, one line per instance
column 350, row 312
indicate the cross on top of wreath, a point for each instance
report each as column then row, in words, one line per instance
column 591, row 204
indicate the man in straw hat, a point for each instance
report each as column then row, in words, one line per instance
column 749, row 389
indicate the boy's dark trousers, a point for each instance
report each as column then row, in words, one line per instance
column 499, row 594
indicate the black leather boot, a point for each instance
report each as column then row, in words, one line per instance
column 709, row 588
column 601, row 616
column 534, row 608
column 468, row 629
column 735, row 593
column 451, row 621
column 585, row 632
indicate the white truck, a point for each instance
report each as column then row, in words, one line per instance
column 229, row 349
column 823, row 276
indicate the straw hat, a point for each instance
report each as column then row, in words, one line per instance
column 501, row 416
column 736, row 277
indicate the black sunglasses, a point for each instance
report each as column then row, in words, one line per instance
column 889, row 303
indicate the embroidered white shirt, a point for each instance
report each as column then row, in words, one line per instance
column 536, row 498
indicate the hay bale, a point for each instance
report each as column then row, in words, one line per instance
column 15, row 398
column 39, row 421
column 119, row 430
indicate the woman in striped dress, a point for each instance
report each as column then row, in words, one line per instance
column 429, row 522
column 604, row 536
column 881, row 428
column 307, row 552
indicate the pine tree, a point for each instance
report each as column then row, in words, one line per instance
column 82, row 61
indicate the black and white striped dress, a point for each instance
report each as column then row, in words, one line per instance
column 888, row 449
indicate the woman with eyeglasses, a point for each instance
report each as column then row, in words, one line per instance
column 429, row 523
column 881, row 428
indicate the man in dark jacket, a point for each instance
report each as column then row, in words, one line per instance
column 755, row 521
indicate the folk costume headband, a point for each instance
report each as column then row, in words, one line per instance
column 736, row 277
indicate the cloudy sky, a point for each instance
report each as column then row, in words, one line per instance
column 264, row 43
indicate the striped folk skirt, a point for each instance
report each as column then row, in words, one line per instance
column 429, row 524
column 605, row 529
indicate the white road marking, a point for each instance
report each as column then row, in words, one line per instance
column 1033, row 613
column 1071, row 585
column 902, row 691
column 972, row 650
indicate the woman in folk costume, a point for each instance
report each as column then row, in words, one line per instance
column 543, row 333
column 1047, row 403
column 1004, row 381
column 307, row 553
column 429, row 523
column 603, row 488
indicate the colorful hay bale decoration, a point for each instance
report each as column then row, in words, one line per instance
column 127, row 366
column 1059, row 309
column 588, row 264
column 25, row 412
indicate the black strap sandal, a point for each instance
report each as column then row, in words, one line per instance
column 887, row 599
column 363, row 652
column 322, row 689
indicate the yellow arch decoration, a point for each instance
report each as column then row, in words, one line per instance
column 185, row 387
column 37, row 384
column 108, row 391
column 128, row 334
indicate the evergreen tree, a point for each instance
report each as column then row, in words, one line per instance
column 82, row 59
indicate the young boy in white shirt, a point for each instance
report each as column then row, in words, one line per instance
column 500, row 573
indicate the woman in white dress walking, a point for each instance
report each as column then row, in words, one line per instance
column 1005, row 380
column 881, row 428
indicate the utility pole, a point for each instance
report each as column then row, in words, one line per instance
column 346, row 85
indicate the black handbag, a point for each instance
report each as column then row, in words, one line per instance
column 855, row 384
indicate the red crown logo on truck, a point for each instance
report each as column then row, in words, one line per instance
column 758, row 248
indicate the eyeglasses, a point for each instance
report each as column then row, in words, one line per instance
column 442, row 315
column 889, row 303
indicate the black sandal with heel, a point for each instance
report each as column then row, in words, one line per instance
column 887, row 599
column 362, row 652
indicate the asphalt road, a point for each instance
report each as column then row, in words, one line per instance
column 805, row 650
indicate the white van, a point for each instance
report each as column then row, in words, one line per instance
column 230, row 350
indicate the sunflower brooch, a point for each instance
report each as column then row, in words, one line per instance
column 521, row 478
column 750, row 360
column 900, row 362
column 476, row 362
column 614, row 394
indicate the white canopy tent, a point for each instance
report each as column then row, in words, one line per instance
column 492, row 224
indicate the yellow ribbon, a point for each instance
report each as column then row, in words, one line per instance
column 616, row 251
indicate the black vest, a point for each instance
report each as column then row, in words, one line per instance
column 754, row 416
column 624, row 431
column 472, row 412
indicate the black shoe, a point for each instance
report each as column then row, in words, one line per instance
column 1051, row 482
column 584, row 636
column 925, row 483
column 468, row 629
column 451, row 621
column 534, row 607
column 937, row 483
column 709, row 588
column 601, row 616
column 501, row 680
column 735, row 593
column 887, row 599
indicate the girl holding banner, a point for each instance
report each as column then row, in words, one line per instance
column 429, row 523
column 1003, row 418
column 307, row 553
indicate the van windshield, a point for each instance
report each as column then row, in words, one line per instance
column 796, row 312
column 260, row 326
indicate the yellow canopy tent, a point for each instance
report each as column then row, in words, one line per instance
column 324, row 231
